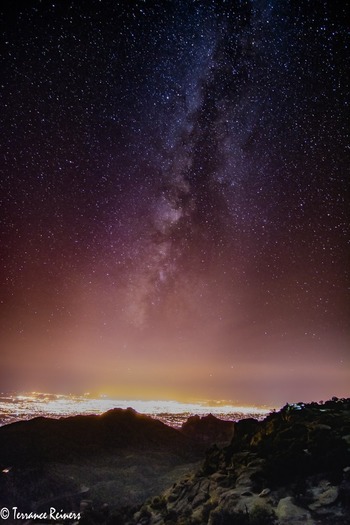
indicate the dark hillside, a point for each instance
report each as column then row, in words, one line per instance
column 68, row 439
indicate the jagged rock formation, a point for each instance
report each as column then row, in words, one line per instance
column 293, row 468
column 208, row 430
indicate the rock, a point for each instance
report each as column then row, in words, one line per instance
column 249, row 503
column 323, row 485
column 244, row 478
column 157, row 519
column 85, row 504
column 218, row 476
column 321, row 426
column 264, row 493
column 208, row 429
column 327, row 497
column 347, row 439
column 244, row 482
column 289, row 513
column 256, row 463
column 200, row 497
column 231, row 494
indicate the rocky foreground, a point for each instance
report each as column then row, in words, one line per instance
column 292, row 468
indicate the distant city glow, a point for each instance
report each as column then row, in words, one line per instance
column 36, row 404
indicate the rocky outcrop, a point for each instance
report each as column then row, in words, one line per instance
column 208, row 430
column 293, row 468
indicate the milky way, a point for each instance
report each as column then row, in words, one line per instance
column 173, row 203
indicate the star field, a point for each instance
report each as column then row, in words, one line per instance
column 174, row 199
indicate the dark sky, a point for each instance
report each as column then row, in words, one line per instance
column 174, row 191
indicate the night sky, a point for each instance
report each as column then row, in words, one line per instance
column 173, row 207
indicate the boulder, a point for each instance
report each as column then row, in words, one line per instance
column 347, row 439
column 264, row 493
column 290, row 514
column 327, row 497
